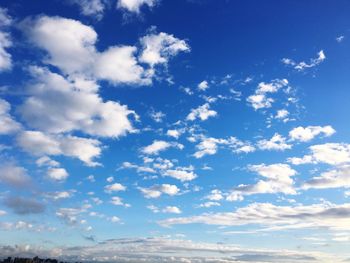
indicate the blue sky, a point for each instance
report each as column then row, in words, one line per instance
column 175, row 131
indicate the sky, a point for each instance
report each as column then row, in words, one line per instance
column 175, row 131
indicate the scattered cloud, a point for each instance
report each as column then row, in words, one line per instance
column 301, row 66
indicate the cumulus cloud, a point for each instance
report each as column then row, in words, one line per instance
column 336, row 178
column 117, row 201
column 116, row 187
column 210, row 146
column 56, row 105
column 14, row 176
column 5, row 40
column 277, row 179
column 204, row 85
column 181, row 173
column 158, row 146
column 40, row 144
column 71, row 46
column 57, row 174
column 93, row 8
column 172, row 210
column 329, row 153
column 303, row 65
column 215, row 195
column 159, row 48
column 24, row 206
column 277, row 142
column 260, row 99
column 134, row 6
column 7, row 124
column 157, row 190
column 202, row 112
column 305, row 134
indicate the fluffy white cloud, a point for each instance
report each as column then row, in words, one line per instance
column 305, row 134
column 215, row 195
column 277, row 179
column 158, row 146
column 71, row 47
column 157, row 190
column 119, row 65
column 203, row 85
column 57, row 174
column 303, row 65
column 210, row 146
column 181, row 173
column 260, row 99
column 116, row 187
column 134, row 6
column 117, row 201
column 57, row 105
column 37, row 143
column 174, row 133
column 5, row 41
column 172, row 210
column 337, row 178
column 202, row 112
column 7, row 124
column 209, row 204
column 277, row 142
column 329, row 153
column 94, row 8
column 159, row 48
column 14, row 176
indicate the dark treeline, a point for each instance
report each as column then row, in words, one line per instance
column 31, row 260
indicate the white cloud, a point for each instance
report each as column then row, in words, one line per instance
column 46, row 161
column 277, row 142
column 209, row 204
column 203, row 85
column 281, row 114
column 37, row 143
column 181, row 173
column 331, row 216
column 215, row 195
column 57, row 105
column 5, row 40
column 117, row 201
column 340, row 39
column 157, row 116
column 14, row 176
column 337, row 178
column 259, row 99
column 303, row 65
column 308, row 133
column 210, row 146
column 94, row 8
column 119, row 65
column 172, row 210
column 158, row 146
column 59, row 195
column 71, row 47
column 329, row 153
column 7, row 124
column 174, row 133
column 57, row 174
column 110, row 179
column 277, row 179
column 116, row 187
column 2, row 213
column 134, row 6
column 157, row 190
column 159, row 48
column 202, row 112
